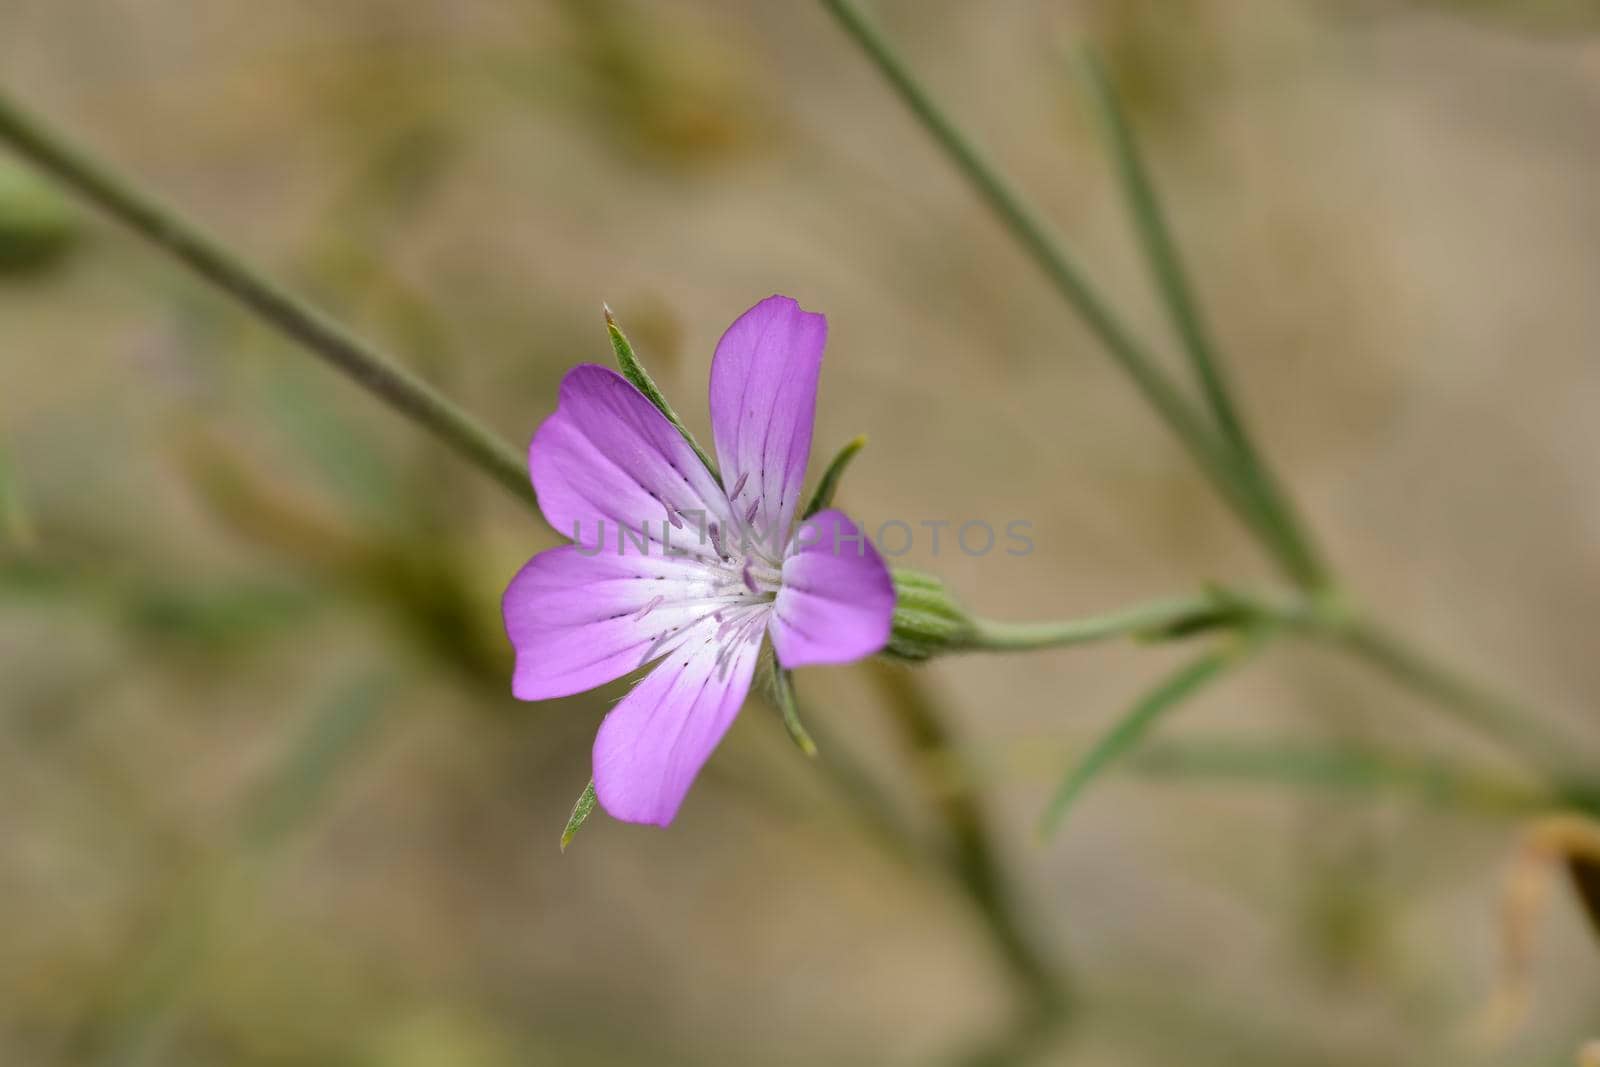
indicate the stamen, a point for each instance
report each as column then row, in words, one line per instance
column 738, row 486
column 750, row 512
column 648, row 608
column 672, row 517
column 716, row 540
column 749, row 579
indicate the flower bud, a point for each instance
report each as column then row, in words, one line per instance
column 927, row 619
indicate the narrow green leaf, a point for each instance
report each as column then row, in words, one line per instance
column 783, row 687
column 823, row 497
column 1355, row 769
column 634, row 371
column 1128, row 731
column 580, row 812
column 327, row 747
column 1177, row 297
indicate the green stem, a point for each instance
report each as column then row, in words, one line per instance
column 1182, row 614
column 302, row 323
column 1542, row 745
column 1171, row 280
column 1025, row 224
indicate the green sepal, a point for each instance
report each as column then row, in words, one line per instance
column 823, row 497
column 783, row 692
column 580, row 812
column 927, row 618
column 634, row 371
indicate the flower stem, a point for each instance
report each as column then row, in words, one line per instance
column 1217, row 462
column 1543, row 747
column 291, row 316
column 1171, row 281
column 1181, row 614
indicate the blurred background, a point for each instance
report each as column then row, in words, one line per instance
column 265, row 797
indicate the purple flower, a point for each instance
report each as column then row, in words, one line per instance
column 692, row 574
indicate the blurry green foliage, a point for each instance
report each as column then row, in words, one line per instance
column 37, row 225
column 421, row 578
column 1166, row 54
column 442, row 1036
column 213, row 616
column 16, row 528
column 664, row 87
column 294, row 792
column 1534, row 16
column 123, row 1019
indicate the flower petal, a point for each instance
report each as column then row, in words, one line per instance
column 608, row 455
column 579, row 620
column 653, row 744
column 837, row 600
column 763, row 400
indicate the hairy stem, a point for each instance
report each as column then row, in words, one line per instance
column 291, row 316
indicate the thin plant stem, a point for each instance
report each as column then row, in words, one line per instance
column 1166, row 268
column 291, row 316
column 1535, row 741
column 1544, row 746
column 1180, row 615
column 1253, row 497
column 1028, row 227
